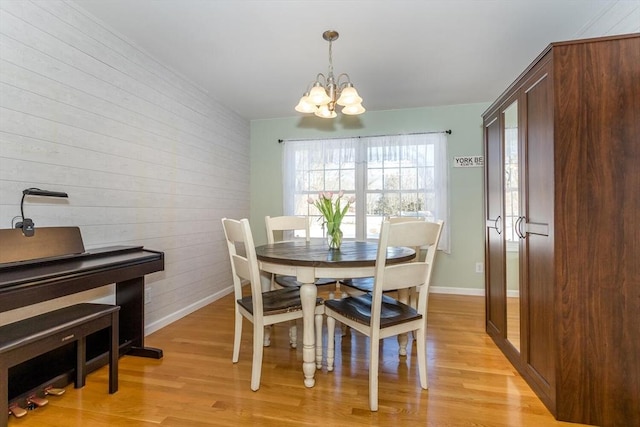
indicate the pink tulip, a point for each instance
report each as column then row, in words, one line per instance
column 310, row 201
column 352, row 199
column 340, row 194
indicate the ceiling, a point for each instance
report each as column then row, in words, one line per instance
column 257, row 57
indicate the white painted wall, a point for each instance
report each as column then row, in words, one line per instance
column 146, row 157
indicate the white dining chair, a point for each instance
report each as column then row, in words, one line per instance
column 364, row 285
column 260, row 308
column 379, row 316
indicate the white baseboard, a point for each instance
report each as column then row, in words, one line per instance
column 161, row 323
column 455, row 291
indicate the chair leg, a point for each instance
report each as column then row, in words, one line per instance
column 256, row 366
column 293, row 335
column 343, row 294
column 331, row 342
column 267, row 336
column 414, row 295
column 422, row 358
column 319, row 341
column 237, row 337
column 266, row 282
column 344, row 329
column 374, row 356
column 403, row 339
column 336, row 288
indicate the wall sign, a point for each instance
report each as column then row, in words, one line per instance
column 468, row 162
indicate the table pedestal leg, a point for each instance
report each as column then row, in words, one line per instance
column 308, row 294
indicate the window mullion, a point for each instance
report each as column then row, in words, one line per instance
column 361, row 191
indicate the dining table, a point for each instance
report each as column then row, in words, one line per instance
column 312, row 260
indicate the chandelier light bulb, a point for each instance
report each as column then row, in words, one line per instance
column 353, row 110
column 318, row 95
column 325, row 112
column 349, row 96
column 305, row 105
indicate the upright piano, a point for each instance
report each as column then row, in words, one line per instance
column 54, row 263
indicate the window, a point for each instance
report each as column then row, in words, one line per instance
column 400, row 175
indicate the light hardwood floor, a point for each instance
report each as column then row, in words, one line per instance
column 470, row 382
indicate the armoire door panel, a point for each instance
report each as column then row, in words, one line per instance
column 537, row 257
column 540, row 314
column 539, row 158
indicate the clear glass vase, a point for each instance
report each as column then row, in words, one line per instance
column 334, row 235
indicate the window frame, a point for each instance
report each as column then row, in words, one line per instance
column 357, row 221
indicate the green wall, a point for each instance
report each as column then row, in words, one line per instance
column 454, row 272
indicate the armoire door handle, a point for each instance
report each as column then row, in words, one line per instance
column 517, row 228
column 521, row 230
column 493, row 223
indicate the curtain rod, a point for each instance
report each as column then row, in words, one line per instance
column 448, row 132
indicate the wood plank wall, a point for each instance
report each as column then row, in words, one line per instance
column 147, row 157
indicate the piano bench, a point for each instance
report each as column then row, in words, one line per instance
column 23, row 340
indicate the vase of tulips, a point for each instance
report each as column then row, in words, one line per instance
column 332, row 214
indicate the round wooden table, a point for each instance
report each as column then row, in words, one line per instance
column 308, row 261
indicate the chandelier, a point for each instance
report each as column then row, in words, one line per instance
column 328, row 91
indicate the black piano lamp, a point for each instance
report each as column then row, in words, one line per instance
column 27, row 225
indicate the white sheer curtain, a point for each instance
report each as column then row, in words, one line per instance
column 389, row 175
column 316, row 165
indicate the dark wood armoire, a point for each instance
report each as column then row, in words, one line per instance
column 562, row 206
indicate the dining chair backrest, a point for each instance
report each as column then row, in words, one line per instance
column 244, row 263
column 415, row 274
column 420, row 250
column 281, row 228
